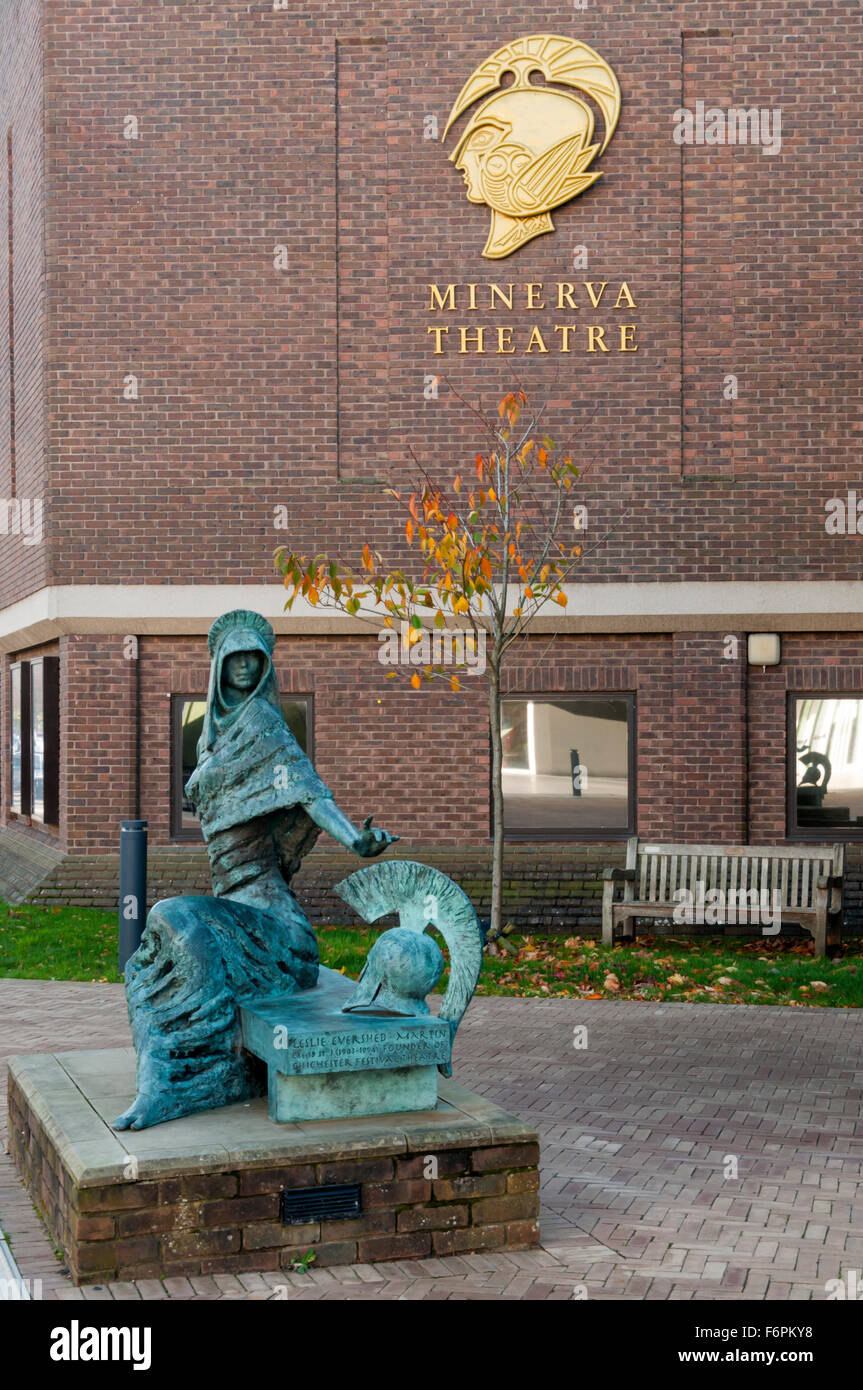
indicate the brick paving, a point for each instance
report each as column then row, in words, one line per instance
column 640, row 1135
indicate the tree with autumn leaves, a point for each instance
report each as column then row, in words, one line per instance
column 494, row 550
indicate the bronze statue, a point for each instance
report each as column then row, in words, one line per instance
column 262, row 807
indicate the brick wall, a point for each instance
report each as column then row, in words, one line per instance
column 23, row 470
column 253, row 381
column 418, row 761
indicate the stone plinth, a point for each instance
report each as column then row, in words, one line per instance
column 323, row 1064
column 205, row 1194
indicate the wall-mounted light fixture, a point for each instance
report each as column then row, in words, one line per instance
column 764, row 649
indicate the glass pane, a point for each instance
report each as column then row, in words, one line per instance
column 829, row 762
column 565, row 765
column 37, row 726
column 16, row 739
column 191, row 724
column 296, row 714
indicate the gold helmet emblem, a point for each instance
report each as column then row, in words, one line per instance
column 528, row 149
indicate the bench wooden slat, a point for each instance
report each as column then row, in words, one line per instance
column 792, row 852
column 783, row 882
column 795, row 882
column 804, row 883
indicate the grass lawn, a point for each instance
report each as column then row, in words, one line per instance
column 45, row 943
column 39, row 943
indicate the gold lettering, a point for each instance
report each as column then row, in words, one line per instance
column 624, row 290
column 594, row 298
column 472, row 300
column 531, row 302
column 598, row 335
column 449, row 296
column 496, row 290
column 536, row 337
column 565, row 329
column 626, row 328
column 564, row 292
column 504, row 346
column 438, row 331
column 478, row 333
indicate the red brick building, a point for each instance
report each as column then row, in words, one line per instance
column 217, row 335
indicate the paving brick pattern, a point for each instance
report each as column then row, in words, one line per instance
column 638, row 1132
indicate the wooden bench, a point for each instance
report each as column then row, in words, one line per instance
column 807, row 880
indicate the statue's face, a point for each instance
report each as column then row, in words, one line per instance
column 242, row 670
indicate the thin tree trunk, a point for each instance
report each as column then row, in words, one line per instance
column 496, row 799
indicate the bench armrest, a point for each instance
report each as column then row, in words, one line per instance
column 829, row 881
column 618, row 875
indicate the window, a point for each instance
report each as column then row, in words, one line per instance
column 19, row 704
column 825, row 764
column 187, row 717
column 568, row 767
column 35, row 739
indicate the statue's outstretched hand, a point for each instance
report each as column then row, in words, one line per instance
column 372, row 841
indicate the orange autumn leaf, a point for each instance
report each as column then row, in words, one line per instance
column 415, row 682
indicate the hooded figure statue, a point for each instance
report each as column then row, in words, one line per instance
column 261, row 806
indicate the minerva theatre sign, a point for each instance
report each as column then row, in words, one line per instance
column 525, row 151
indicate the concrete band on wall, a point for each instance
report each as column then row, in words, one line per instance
column 157, row 609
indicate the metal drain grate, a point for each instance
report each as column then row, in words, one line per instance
column 303, row 1204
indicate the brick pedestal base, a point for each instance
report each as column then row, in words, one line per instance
column 203, row 1195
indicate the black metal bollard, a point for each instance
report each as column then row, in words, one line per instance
column 133, row 888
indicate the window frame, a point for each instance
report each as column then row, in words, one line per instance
column 195, row 835
column 823, row 834
column 577, row 834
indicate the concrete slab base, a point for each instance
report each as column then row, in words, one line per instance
column 205, row 1194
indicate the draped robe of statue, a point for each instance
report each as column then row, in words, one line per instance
column 200, row 955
